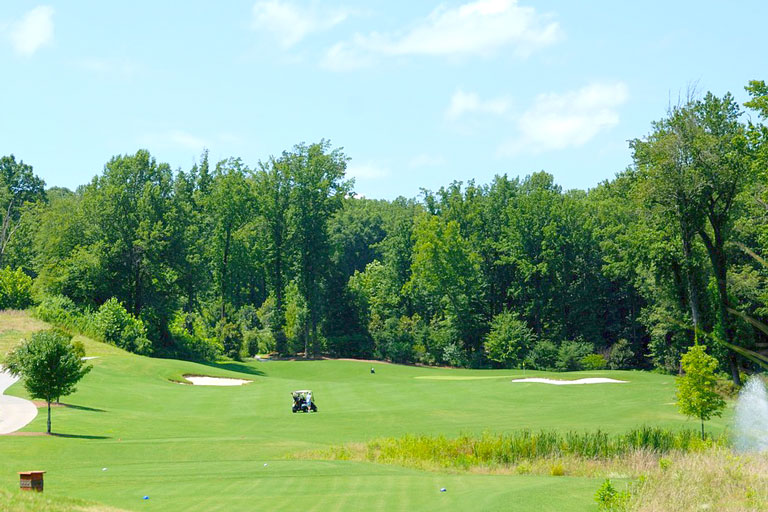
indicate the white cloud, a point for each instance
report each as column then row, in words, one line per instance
column 33, row 31
column 571, row 119
column 470, row 103
column 290, row 22
column 481, row 27
column 366, row 171
column 426, row 160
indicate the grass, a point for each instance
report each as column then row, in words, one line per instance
column 21, row 501
column 711, row 480
column 495, row 451
column 205, row 448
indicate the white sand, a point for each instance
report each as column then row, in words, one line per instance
column 15, row 412
column 556, row 382
column 199, row 380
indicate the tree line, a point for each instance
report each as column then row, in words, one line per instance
column 284, row 257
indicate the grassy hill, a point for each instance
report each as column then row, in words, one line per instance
column 193, row 448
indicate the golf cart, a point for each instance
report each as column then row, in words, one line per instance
column 303, row 401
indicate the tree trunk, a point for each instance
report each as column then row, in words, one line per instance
column 49, row 416
column 720, row 267
column 693, row 292
column 224, row 264
column 702, row 429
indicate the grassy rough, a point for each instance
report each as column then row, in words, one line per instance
column 710, row 480
column 19, row 501
column 495, row 451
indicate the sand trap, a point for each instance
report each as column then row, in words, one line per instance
column 556, row 382
column 200, row 380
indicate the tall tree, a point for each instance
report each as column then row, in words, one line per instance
column 19, row 188
column 273, row 190
column 319, row 187
column 229, row 205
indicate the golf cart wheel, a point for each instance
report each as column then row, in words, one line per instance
column 314, row 408
column 293, row 409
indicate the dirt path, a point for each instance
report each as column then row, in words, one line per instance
column 15, row 412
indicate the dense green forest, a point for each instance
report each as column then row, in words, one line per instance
column 284, row 257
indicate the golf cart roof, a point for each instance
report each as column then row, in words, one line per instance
column 302, row 391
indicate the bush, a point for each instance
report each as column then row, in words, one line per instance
column 191, row 339
column 57, row 310
column 621, row 356
column 543, row 356
column 570, row 354
column 609, row 499
column 259, row 341
column 114, row 325
column 231, row 339
column 15, row 289
column 509, row 340
column 593, row 362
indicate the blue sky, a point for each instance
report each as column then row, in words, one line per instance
column 417, row 93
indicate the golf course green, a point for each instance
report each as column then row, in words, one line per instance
column 131, row 430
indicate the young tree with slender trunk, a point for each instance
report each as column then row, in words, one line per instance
column 50, row 364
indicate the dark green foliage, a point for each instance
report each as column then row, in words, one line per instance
column 50, row 364
column 571, row 353
column 15, row 289
column 113, row 324
column 285, row 250
column 543, row 356
column 231, row 339
column 509, row 340
column 621, row 356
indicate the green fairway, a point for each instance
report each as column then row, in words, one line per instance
column 193, row 448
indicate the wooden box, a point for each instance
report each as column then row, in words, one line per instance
column 31, row 480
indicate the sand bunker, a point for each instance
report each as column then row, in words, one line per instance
column 200, row 380
column 556, row 382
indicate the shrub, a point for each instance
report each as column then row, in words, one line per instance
column 593, row 362
column 570, row 354
column 557, row 469
column 231, row 339
column 259, row 341
column 609, row 499
column 621, row 355
column 509, row 340
column 395, row 338
column 191, row 339
column 114, row 325
column 57, row 310
column 15, row 289
column 543, row 355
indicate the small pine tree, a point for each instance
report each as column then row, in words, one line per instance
column 696, row 395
